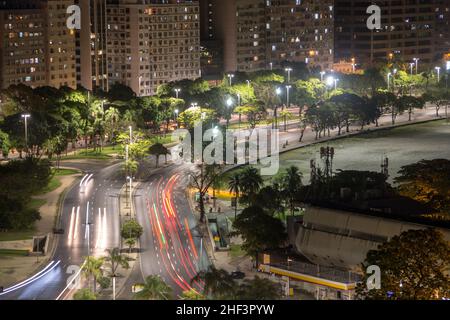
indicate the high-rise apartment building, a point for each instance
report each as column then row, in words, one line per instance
column 442, row 33
column 36, row 47
column 262, row 34
column 92, row 64
column 407, row 32
column 150, row 43
column 300, row 31
column 60, row 55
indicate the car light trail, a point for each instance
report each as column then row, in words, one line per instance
column 191, row 240
column 101, row 229
column 82, row 180
column 159, row 224
column 52, row 265
column 86, row 230
column 71, row 226
column 75, row 233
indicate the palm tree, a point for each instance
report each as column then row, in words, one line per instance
column 154, row 288
column 251, row 182
column 291, row 183
column 218, row 283
column 234, row 185
column 112, row 118
column 93, row 269
column 115, row 259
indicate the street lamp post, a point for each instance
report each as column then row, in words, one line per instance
column 278, row 92
column 25, row 117
column 239, row 99
column 411, row 65
column 248, row 83
column 416, row 61
column 353, row 65
column 446, row 105
column 230, row 76
column 271, row 65
column 229, row 104
column 438, row 69
column 130, row 199
column 177, row 91
column 332, row 81
column 389, row 80
column 288, row 70
column 176, row 116
column 322, row 73
column 288, row 87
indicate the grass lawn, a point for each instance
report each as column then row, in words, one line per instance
column 235, row 125
column 16, row 235
column 13, row 252
column 403, row 145
column 90, row 154
column 52, row 185
column 64, row 172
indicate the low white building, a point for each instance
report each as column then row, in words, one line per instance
column 342, row 239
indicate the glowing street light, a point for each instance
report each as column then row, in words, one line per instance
column 438, row 69
column 230, row 76
column 176, row 111
column 25, row 117
column 177, row 91
column 353, row 65
column 288, row 70
column 248, row 83
column 411, row 65
column 322, row 73
column 332, row 81
column 416, row 61
column 288, row 87
column 271, row 65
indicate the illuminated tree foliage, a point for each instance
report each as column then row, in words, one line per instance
column 414, row 265
column 427, row 181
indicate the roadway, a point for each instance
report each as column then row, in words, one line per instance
column 171, row 244
column 93, row 199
